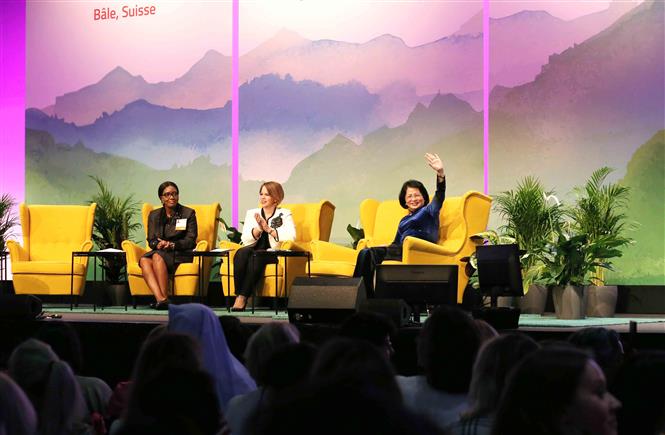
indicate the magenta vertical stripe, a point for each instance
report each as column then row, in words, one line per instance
column 12, row 98
column 235, row 112
column 486, row 94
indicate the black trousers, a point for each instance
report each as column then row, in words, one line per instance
column 249, row 270
column 369, row 258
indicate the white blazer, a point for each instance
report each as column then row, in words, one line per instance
column 287, row 232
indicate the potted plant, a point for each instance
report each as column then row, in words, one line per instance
column 8, row 219
column 599, row 212
column 113, row 224
column 531, row 215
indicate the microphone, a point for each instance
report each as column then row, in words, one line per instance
column 276, row 222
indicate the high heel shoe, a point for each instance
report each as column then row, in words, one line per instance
column 162, row 305
column 239, row 308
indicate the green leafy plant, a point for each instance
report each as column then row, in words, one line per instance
column 599, row 213
column 232, row 233
column 8, row 220
column 356, row 234
column 113, row 224
column 531, row 215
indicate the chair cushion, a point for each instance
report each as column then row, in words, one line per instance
column 46, row 268
column 338, row 268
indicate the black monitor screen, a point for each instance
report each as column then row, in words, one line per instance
column 417, row 284
column 499, row 270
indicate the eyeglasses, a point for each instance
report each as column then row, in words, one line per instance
column 170, row 194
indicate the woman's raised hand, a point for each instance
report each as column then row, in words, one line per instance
column 262, row 222
column 435, row 163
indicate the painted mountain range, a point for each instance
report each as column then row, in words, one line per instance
column 384, row 65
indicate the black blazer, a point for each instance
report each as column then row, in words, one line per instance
column 161, row 227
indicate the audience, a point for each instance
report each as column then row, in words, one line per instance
column 447, row 347
column 237, row 335
column 640, row 385
column 51, row 387
column 230, row 376
column 605, row 347
column 375, row 328
column 496, row 359
column 17, row 415
column 557, row 391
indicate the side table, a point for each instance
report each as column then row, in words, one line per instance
column 285, row 253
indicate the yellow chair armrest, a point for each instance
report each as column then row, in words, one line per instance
column 327, row 251
column 295, row 246
column 201, row 246
column 225, row 244
column 16, row 251
column 362, row 244
column 85, row 247
column 416, row 245
column 133, row 251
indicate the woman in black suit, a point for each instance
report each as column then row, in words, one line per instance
column 172, row 230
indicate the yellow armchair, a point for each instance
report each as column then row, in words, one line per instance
column 186, row 278
column 313, row 221
column 43, row 264
column 460, row 218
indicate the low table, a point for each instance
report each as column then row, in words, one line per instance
column 285, row 253
column 213, row 254
column 95, row 255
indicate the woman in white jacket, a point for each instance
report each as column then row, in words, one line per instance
column 264, row 228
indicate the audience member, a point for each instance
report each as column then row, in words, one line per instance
column 52, row 388
column 230, row 376
column 640, row 385
column 17, row 415
column 485, row 330
column 605, row 346
column 237, row 335
column 65, row 342
column 264, row 342
column 557, row 391
column 447, row 349
column 375, row 328
column 496, row 359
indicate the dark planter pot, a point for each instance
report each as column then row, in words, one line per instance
column 534, row 301
column 117, row 294
column 569, row 302
column 601, row 300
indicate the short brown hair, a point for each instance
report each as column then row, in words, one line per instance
column 274, row 189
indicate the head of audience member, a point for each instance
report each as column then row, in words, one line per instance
column 50, row 385
column 447, row 348
column 289, row 365
column 230, row 376
column 411, row 187
column 496, row 358
column 237, row 335
column 174, row 401
column 17, row 415
column 328, row 406
column 264, row 342
column 486, row 331
column 349, row 361
column 640, row 385
column 558, row 391
column 605, row 346
column 375, row 328
column 65, row 342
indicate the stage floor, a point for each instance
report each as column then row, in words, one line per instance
column 528, row 322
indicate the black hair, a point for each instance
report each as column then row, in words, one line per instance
column 416, row 185
column 164, row 185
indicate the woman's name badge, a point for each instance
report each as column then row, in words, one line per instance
column 181, row 224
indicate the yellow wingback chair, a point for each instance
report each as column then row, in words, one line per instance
column 313, row 221
column 43, row 265
column 186, row 278
column 460, row 218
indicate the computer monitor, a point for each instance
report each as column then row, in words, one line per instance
column 499, row 270
column 417, row 284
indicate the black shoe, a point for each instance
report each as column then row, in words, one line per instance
column 237, row 309
column 162, row 305
column 153, row 305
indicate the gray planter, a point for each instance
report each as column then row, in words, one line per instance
column 601, row 300
column 534, row 301
column 569, row 302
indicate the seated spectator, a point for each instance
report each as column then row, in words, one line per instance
column 447, row 349
column 496, row 359
column 640, row 385
column 17, row 415
column 65, row 342
column 372, row 327
column 237, row 335
column 230, row 376
column 605, row 346
column 51, row 386
column 557, row 391
column 485, row 330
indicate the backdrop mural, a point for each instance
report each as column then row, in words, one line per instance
column 339, row 101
